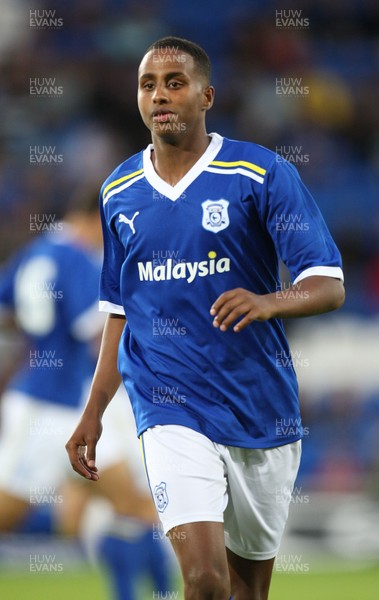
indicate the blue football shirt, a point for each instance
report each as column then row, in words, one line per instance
column 170, row 251
column 52, row 287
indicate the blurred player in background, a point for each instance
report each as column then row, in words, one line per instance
column 216, row 399
column 51, row 289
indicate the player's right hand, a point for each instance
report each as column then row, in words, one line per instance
column 81, row 448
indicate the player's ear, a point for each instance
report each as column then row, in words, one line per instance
column 208, row 97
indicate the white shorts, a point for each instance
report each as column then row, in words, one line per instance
column 33, row 435
column 194, row 479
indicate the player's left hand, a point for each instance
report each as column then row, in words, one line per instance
column 81, row 447
column 236, row 303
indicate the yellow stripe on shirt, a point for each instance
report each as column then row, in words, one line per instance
column 117, row 181
column 239, row 163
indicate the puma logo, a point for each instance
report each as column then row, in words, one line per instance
column 130, row 222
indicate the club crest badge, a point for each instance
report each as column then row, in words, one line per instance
column 161, row 498
column 215, row 215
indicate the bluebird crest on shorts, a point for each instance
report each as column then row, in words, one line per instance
column 215, row 215
column 161, row 498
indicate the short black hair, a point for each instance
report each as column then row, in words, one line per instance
column 200, row 57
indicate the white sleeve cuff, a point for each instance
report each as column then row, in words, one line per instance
column 109, row 307
column 335, row 272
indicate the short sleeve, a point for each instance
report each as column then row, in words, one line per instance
column 114, row 256
column 296, row 226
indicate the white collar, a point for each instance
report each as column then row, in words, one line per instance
column 174, row 192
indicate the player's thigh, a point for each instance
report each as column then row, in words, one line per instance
column 250, row 579
column 201, row 554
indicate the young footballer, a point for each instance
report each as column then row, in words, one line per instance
column 51, row 289
column 193, row 232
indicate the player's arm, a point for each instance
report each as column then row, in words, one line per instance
column 81, row 447
column 311, row 296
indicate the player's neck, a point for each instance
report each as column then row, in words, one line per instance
column 173, row 160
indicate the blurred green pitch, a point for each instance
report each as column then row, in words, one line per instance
column 91, row 585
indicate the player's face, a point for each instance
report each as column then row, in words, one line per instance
column 173, row 95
